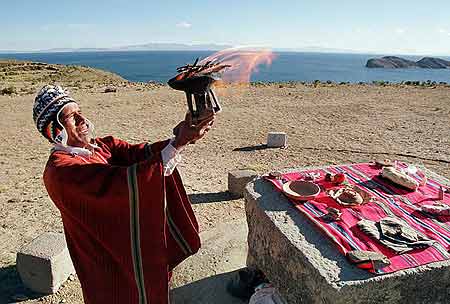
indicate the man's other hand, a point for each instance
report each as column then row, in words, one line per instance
column 188, row 133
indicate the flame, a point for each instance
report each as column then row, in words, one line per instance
column 180, row 76
column 243, row 62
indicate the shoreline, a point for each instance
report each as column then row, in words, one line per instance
column 26, row 77
column 301, row 67
column 12, row 90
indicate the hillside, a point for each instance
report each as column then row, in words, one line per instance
column 22, row 77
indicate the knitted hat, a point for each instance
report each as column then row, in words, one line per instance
column 47, row 105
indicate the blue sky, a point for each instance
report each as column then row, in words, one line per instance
column 405, row 27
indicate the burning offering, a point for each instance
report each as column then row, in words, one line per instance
column 197, row 80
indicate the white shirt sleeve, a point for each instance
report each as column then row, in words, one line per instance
column 170, row 157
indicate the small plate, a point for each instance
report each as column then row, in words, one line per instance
column 301, row 190
column 365, row 196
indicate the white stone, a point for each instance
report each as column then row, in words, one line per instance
column 44, row 264
column 277, row 140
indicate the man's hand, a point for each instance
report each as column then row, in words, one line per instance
column 188, row 133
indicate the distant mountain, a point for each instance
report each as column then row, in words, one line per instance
column 172, row 47
column 192, row 47
column 180, row 47
column 60, row 50
column 317, row 49
column 139, row 47
column 394, row 62
column 145, row 47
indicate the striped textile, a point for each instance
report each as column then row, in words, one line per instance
column 390, row 200
column 136, row 252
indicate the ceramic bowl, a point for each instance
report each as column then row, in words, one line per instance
column 301, row 190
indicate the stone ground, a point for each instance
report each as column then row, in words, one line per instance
column 223, row 252
column 326, row 124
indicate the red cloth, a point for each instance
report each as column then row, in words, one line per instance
column 122, row 239
column 389, row 200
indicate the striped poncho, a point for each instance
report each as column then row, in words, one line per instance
column 127, row 226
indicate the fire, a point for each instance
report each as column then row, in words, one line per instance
column 242, row 62
column 180, row 76
column 218, row 70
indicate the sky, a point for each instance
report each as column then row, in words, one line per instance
column 385, row 27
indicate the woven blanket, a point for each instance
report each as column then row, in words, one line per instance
column 388, row 200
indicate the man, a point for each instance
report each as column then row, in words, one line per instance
column 127, row 219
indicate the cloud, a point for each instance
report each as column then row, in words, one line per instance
column 184, row 24
column 400, row 31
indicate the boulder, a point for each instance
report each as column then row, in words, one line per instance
column 110, row 90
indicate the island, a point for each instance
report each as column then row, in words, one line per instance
column 394, row 62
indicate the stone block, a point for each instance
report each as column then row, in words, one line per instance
column 306, row 267
column 277, row 140
column 44, row 264
column 238, row 179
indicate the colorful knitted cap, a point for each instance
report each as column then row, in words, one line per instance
column 47, row 105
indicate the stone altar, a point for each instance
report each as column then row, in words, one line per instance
column 305, row 266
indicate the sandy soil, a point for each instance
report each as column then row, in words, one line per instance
column 327, row 124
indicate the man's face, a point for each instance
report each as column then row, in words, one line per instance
column 76, row 126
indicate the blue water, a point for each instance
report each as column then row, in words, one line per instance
column 159, row 66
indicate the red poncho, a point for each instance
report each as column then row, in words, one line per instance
column 127, row 226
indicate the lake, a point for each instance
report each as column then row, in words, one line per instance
column 160, row 66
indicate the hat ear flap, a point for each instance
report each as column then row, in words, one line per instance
column 57, row 132
column 91, row 128
column 61, row 136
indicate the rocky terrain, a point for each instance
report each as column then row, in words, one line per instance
column 325, row 123
column 24, row 77
column 393, row 62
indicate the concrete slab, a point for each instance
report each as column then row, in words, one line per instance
column 305, row 266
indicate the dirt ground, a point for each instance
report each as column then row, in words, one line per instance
column 326, row 124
